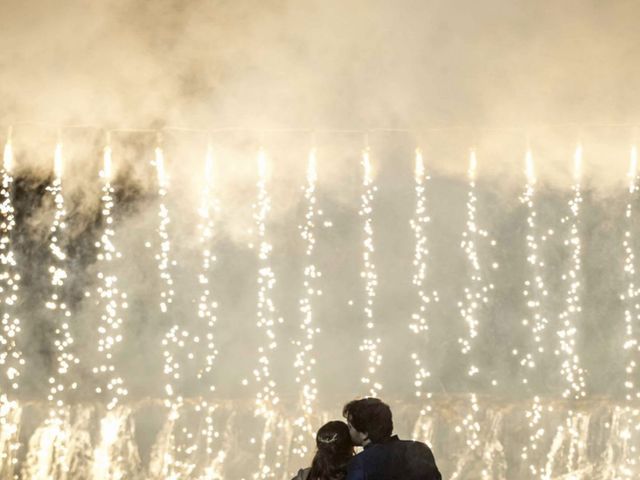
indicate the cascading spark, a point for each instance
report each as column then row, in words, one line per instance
column 370, row 344
column 535, row 321
column 419, row 324
column 305, row 360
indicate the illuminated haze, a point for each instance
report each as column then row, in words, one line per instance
column 543, row 71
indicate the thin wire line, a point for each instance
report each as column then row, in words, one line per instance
column 473, row 129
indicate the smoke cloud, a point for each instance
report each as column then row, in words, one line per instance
column 448, row 75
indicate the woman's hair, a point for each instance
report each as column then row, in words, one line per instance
column 334, row 451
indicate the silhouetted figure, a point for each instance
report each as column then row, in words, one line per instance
column 384, row 457
column 334, row 450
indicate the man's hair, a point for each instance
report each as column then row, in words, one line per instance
column 370, row 416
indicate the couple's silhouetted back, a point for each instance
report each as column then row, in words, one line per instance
column 384, row 456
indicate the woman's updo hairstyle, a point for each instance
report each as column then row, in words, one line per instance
column 334, row 452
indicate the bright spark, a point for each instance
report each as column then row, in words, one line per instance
column 266, row 398
column 370, row 344
column 109, row 298
column 160, row 170
column 7, row 158
column 529, row 169
column 106, row 172
column 11, row 357
column 630, row 422
column 535, row 322
column 305, row 361
column 63, row 339
column 58, row 161
column 476, row 297
column 571, row 369
column 419, row 323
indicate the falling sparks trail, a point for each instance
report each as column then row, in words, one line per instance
column 476, row 297
column 206, row 305
column 570, row 368
column 266, row 398
column 52, row 452
column 107, row 457
column 419, row 322
column 207, row 314
column 11, row 359
column 534, row 321
column 109, row 298
column 165, row 264
column 305, row 361
column 631, row 346
column 174, row 339
column 63, row 342
column 163, row 257
column 370, row 345
column 632, row 306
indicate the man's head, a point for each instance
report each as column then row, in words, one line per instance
column 369, row 420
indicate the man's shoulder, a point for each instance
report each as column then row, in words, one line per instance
column 413, row 444
column 415, row 460
column 395, row 458
column 393, row 444
column 412, row 447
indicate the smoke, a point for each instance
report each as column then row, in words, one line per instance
column 322, row 64
column 496, row 75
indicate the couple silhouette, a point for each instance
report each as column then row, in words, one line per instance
column 384, row 455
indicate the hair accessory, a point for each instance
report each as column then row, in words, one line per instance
column 330, row 439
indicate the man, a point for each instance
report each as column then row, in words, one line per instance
column 384, row 457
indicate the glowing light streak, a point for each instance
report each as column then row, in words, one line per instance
column 179, row 441
column 206, row 305
column 63, row 339
column 476, row 293
column 11, row 358
column 160, row 170
column 570, row 368
column 266, row 398
column 106, row 172
column 476, row 297
column 115, row 457
column 535, row 322
column 54, row 452
column 7, row 159
column 58, row 162
column 305, row 360
column 108, row 297
column 631, row 420
column 370, row 344
column 163, row 257
column 419, row 324
column 175, row 337
column 629, row 297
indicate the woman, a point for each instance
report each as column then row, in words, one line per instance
column 334, row 452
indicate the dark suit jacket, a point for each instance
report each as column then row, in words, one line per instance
column 394, row 459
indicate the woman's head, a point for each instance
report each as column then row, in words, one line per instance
column 334, row 449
